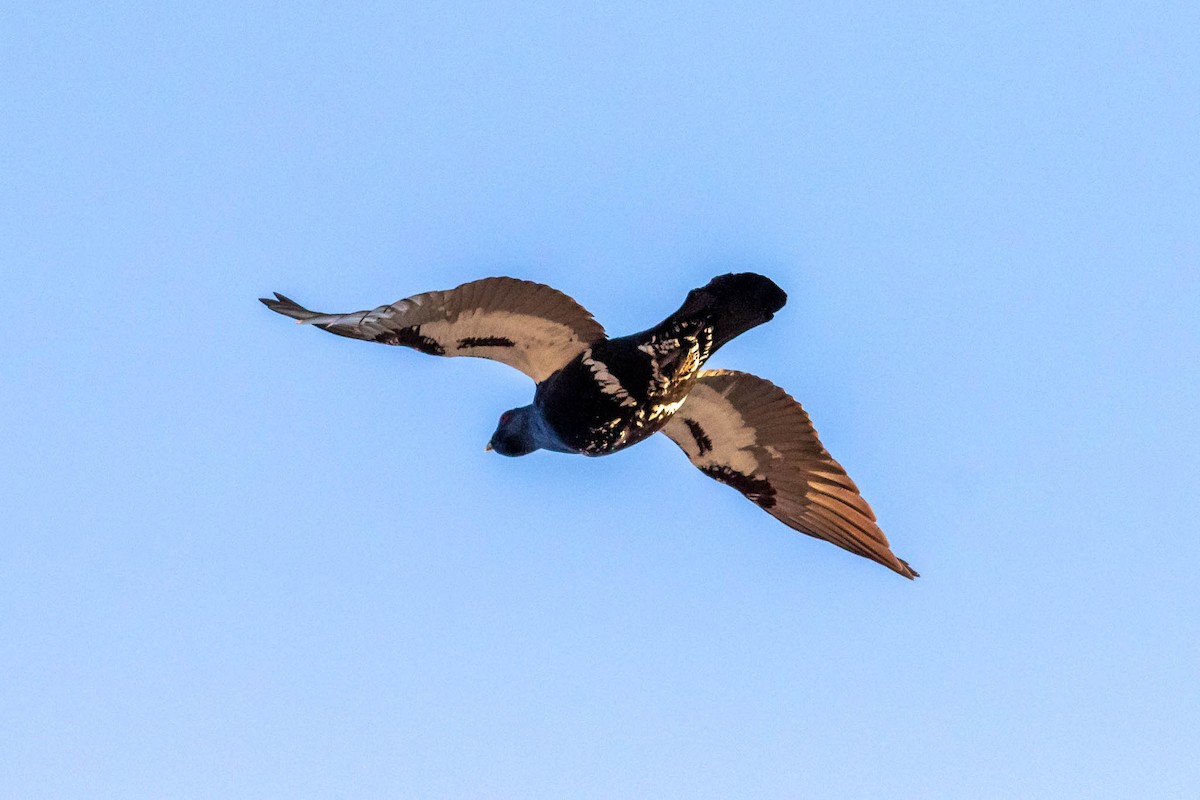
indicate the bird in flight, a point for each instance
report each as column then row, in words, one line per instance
column 597, row 395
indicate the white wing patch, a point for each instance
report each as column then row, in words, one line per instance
column 731, row 437
column 608, row 382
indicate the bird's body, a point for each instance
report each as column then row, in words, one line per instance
column 607, row 398
column 597, row 395
column 619, row 391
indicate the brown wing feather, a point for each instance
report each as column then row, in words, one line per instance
column 529, row 326
column 750, row 434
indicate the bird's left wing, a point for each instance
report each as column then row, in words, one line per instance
column 526, row 325
column 749, row 434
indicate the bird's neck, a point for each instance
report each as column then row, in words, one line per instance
column 543, row 435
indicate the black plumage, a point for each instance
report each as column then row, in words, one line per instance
column 597, row 395
column 619, row 391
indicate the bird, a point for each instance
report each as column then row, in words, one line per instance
column 597, row 395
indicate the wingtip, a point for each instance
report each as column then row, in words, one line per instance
column 908, row 571
column 276, row 302
column 288, row 307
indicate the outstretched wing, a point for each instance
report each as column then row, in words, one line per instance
column 526, row 325
column 748, row 433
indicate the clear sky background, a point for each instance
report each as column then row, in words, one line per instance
column 242, row 559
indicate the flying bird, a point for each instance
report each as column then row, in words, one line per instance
column 596, row 395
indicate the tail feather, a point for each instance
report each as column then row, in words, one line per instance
column 735, row 303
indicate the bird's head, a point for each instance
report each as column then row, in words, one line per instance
column 514, row 436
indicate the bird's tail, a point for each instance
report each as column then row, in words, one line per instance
column 734, row 303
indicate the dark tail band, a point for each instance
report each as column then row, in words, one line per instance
column 735, row 303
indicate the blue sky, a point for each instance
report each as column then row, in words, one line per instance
column 243, row 559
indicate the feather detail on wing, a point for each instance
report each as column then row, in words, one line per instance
column 748, row 433
column 526, row 325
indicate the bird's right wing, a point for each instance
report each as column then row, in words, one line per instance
column 526, row 325
column 749, row 434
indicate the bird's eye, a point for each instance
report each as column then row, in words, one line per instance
column 504, row 417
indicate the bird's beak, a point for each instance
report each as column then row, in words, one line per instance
column 488, row 448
